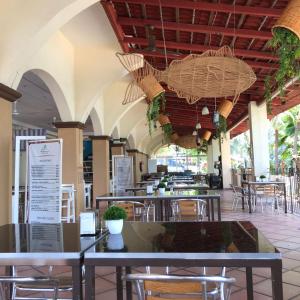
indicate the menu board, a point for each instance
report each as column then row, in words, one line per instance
column 122, row 172
column 46, row 238
column 44, row 181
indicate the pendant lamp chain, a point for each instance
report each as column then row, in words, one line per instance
column 163, row 32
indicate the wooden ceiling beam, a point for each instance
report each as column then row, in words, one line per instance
column 243, row 33
column 206, row 6
column 200, row 48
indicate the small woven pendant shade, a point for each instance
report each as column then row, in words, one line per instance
column 290, row 18
column 206, row 135
column 163, row 119
column 225, row 108
column 151, row 87
column 186, row 141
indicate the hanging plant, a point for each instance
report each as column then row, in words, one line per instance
column 168, row 130
column 154, row 108
column 286, row 45
column 221, row 126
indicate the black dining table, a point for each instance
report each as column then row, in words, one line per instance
column 162, row 202
column 185, row 244
column 46, row 245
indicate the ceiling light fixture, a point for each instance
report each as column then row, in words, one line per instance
column 194, row 133
column 198, row 126
column 205, row 111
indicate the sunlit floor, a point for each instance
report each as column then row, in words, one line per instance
column 282, row 230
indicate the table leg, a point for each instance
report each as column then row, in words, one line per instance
column 208, row 209
column 219, row 209
column 90, row 282
column 128, row 285
column 77, row 282
column 243, row 198
column 249, row 280
column 249, row 199
column 285, row 202
column 212, row 210
column 119, row 283
column 277, row 288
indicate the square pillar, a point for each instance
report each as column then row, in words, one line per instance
column 117, row 149
column 213, row 153
column 72, row 159
column 101, row 166
column 226, row 160
column 136, row 172
column 7, row 96
column 259, row 139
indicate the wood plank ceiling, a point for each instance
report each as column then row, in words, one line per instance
column 191, row 26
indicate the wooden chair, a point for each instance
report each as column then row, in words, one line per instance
column 136, row 211
column 189, row 209
column 165, row 287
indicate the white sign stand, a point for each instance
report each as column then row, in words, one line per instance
column 15, row 199
column 44, row 175
column 122, row 172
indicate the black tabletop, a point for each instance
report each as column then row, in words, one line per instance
column 187, row 237
column 43, row 238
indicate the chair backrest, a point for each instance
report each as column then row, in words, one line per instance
column 163, row 287
column 133, row 209
column 68, row 203
column 191, row 208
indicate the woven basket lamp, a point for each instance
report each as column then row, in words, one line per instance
column 151, row 87
column 225, row 108
column 290, row 18
column 163, row 119
column 174, row 137
column 186, row 141
column 206, row 135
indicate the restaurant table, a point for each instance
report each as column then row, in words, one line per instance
column 262, row 183
column 176, row 181
column 46, row 245
column 174, row 187
column 163, row 202
column 185, row 244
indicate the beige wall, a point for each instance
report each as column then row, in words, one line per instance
column 5, row 161
column 72, row 162
column 138, row 157
column 117, row 150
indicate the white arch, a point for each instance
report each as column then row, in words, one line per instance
column 131, row 141
column 115, row 133
column 96, row 122
column 56, row 91
column 31, row 24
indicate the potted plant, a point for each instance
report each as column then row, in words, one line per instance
column 221, row 126
column 114, row 217
column 262, row 178
column 167, row 130
column 162, row 188
column 286, row 44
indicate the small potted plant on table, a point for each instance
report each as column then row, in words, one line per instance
column 161, row 188
column 262, row 178
column 114, row 217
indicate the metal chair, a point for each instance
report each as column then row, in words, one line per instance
column 136, row 211
column 189, row 209
column 164, row 287
column 34, row 281
column 237, row 196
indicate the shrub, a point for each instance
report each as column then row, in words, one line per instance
column 115, row 213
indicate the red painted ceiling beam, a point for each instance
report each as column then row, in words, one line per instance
column 112, row 17
column 253, row 64
column 215, row 7
column 244, row 33
column 201, row 48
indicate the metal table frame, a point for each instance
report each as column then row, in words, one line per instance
column 160, row 199
column 123, row 259
column 249, row 183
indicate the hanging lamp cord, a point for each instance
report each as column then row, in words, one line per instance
column 163, row 32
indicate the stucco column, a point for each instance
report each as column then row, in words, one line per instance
column 135, row 155
column 259, row 125
column 100, row 166
column 72, row 159
column 226, row 160
column 117, row 149
column 213, row 153
column 7, row 96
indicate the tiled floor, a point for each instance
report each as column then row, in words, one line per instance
column 282, row 230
